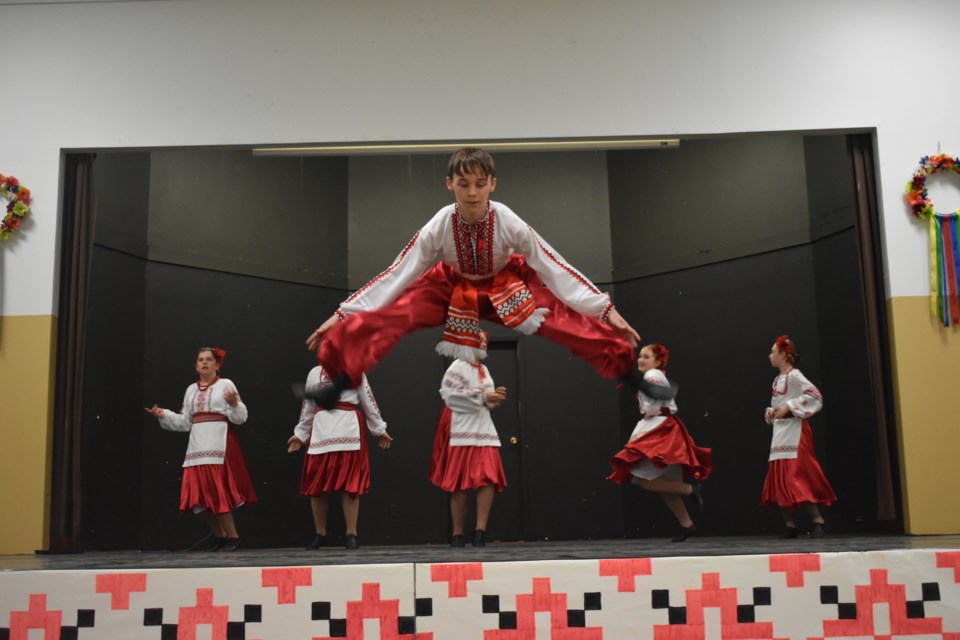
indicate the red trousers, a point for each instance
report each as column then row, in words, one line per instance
column 356, row 344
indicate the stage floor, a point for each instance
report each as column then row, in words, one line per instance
column 493, row 552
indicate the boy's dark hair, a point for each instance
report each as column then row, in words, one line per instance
column 471, row 160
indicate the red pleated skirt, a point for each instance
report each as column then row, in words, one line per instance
column 219, row 488
column 347, row 471
column 791, row 483
column 461, row 468
column 669, row 443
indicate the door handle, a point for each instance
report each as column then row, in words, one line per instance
column 514, row 439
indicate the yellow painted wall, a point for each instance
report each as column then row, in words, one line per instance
column 926, row 378
column 27, row 362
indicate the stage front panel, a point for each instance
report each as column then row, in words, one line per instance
column 879, row 594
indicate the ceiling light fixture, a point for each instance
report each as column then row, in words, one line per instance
column 447, row 147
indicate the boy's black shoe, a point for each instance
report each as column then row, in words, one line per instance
column 635, row 381
column 326, row 396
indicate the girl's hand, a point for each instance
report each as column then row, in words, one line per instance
column 155, row 411
column 294, row 444
column 232, row 396
column 384, row 441
column 315, row 338
column 782, row 412
column 768, row 415
column 498, row 396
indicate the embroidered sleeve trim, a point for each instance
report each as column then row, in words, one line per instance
column 383, row 274
column 606, row 312
column 570, row 270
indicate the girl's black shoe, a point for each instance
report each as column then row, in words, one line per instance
column 789, row 534
column 351, row 542
column 458, row 541
column 230, row 544
column 479, row 538
column 318, row 541
column 685, row 532
column 696, row 493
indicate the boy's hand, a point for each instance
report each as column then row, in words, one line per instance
column 315, row 338
column 621, row 326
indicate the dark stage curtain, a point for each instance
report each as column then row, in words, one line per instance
column 76, row 247
column 863, row 175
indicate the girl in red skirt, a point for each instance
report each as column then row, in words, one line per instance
column 466, row 452
column 794, row 477
column 661, row 453
column 337, row 457
column 215, row 476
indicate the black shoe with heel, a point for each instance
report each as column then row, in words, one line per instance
column 635, row 381
column 351, row 541
column 230, row 544
column 696, row 494
column 789, row 534
column 685, row 532
column 318, row 541
column 479, row 538
column 325, row 396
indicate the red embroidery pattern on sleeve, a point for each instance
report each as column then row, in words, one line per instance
column 383, row 274
column 572, row 272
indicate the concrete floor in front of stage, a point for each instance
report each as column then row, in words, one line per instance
column 492, row 552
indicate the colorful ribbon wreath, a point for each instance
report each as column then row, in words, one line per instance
column 18, row 205
column 944, row 250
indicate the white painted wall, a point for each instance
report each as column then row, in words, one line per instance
column 243, row 72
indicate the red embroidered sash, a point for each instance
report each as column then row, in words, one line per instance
column 509, row 296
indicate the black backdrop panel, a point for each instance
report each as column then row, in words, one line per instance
column 111, row 495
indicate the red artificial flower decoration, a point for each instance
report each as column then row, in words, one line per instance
column 784, row 345
column 661, row 353
column 218, row 355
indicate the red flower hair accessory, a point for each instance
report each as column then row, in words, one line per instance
column 218, row 355
column 784, row 345
column 662, row 354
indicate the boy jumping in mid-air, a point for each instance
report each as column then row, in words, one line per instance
column 492, row 266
